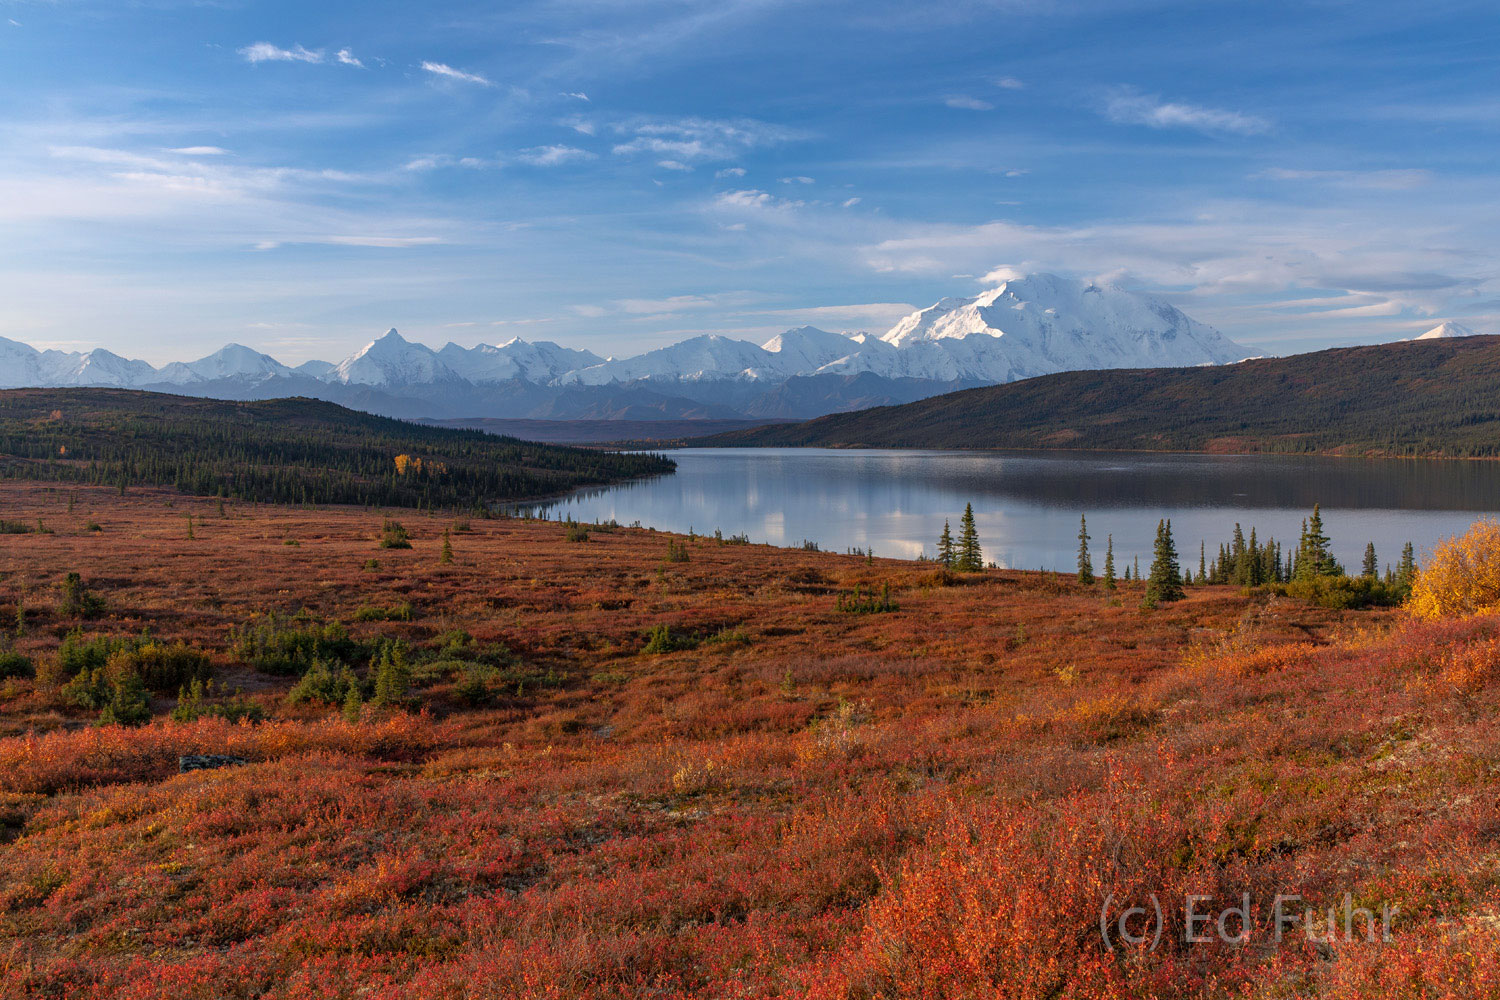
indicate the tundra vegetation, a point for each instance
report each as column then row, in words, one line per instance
column 550, row 769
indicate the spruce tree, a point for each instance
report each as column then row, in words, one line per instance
column 1371, row 566
column 1165, row 583
column 1085, row 564
column 1109, row 562
column 1202, row 557
column 970, row 556
column 1406, row 570
column 446, row 557
column 945, row 547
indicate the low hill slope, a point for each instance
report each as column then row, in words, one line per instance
column 283, row 450
column 1433, row 398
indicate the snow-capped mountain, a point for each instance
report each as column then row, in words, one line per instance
column 515, row 359
column 393, row 361
column 233, row 361
column 1445, row 330
column 1021, row 328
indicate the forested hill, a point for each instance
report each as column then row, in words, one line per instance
column 1428, row 398
column 284, row 451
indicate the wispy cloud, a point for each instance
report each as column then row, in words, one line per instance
column 1126, row 107
column 554, row 156
column 1009, row 83
column 1383, row 180
column 966, row 103
column 798, row 180
column 688, row 140
column 577, row 95
column 266, row 52
column 347, row 58
column 200, row 151
column 730, row 172
column 444, row 70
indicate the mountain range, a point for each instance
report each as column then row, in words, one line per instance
column 1022, row 328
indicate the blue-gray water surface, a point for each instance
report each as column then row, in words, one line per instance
column 1027, row 505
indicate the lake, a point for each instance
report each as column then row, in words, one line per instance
column 1027, row 504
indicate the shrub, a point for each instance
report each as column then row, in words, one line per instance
column 374, row 613
column 193, row 704
column 661, row 640
column 14, row 664
column 1340, row 592
column 322, row 683
column 677, row 552
column 1463, row 576
column 77, row 600
column 275, row 645
column 576, row 533
column 15, row 527
column 394, row 536
column 162, row 667
column 867, row 604
column 127, row 704
column 392, row 675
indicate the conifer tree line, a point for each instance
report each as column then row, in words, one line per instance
column 284, row 451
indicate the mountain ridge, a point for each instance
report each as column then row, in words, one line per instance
column 1023, row 327
column 1432, row 398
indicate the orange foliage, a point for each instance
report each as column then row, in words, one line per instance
column 1463, row 576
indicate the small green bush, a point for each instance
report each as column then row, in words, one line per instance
column 77, row 600
column 14, row 664
column 394, row 536
column 661, row 640
column 323, row 683
column 394, row 613
column 278, row 645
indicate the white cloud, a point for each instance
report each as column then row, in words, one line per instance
column 576, row 95
column 966, row 103
column 730, row 172
column 1129, row 108
column 797, row 180
column 752, row 199
column 1009, row 83
column 390, row 242
column 1000, row 275
column 266, row 52
column 673, row 165
column 851, row 202
column 444, row 70
column 554, row 156
column 689, row 140
column 1384, row 180
column 200, row 151
column 347, row 58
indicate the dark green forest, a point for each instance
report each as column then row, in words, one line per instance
column 1416, row 399
column 284, row 451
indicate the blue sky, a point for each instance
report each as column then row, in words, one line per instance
column 620, row 174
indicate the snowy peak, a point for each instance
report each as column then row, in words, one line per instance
column 1446, row 330
column 1043, row 323
column 515, row 359
column 232, row 361
column 393, row 361
column 806, row 349
column 696, row 359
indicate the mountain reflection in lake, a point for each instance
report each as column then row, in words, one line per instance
column 1028, row 504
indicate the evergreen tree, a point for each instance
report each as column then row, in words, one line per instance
column 970, row 556
column 945, row 547
column 1165, row 583
column 1313, row 558
column 1085, row 564
column 1371, row 566
column 446, row 558
column 1406, row 570
column 1202, row 567
column 1109, row 562
column 1137, row 575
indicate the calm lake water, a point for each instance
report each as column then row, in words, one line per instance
column 1027, row 505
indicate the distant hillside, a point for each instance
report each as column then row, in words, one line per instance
column 633, row 432
column 1429, row 398
column 284, row 450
